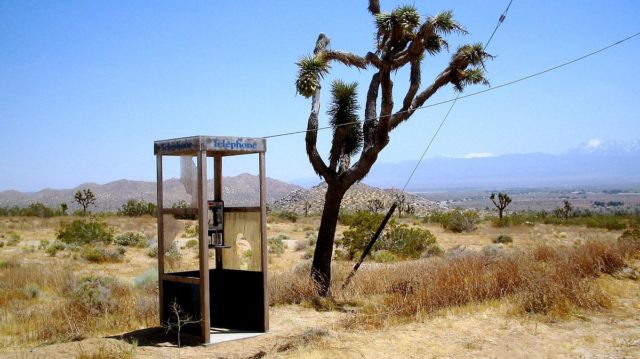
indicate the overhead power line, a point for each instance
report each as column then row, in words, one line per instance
column 446, row 116
column 493, row 88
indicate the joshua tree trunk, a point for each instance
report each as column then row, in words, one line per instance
column 321, row 267
column 402, row 39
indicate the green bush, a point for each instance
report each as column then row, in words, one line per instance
column 286, row 216
column 82, row 231
column 192, row 243
column 44, row 243
column 137, row 208
column 172, row 253
column 101, row 255
column 398, row 239
column 133, row 239
column 384, row 256
column 14, row 239
column 54, row 248
column 362, row 226
column 153, row 251
column 459, row 220
column 408, row 242
column 276, row 245
column 503, row 238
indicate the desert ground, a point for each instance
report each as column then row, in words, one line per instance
column 35, row 324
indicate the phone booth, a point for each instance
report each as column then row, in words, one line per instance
column 226, row 296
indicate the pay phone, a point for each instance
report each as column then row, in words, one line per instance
column 216, row 223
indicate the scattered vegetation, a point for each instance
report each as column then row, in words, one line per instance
column 131, row 239
column 276, row 244
column 40, row 305
column 81, row 231
column 503, row 238
column 33, row 210
column 457, row 220
column 286, row 216
column 398, row 240
column 137, row 208
column 552, row 281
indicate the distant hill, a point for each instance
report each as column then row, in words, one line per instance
column 603, row 163
column 241, row 190
column 356, row 198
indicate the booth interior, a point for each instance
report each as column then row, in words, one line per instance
column 222, row 283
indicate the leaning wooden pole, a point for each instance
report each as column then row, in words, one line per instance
column 370, row 245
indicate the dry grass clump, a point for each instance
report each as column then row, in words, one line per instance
column 117, row 350
column 552, row 281
column 41, row 305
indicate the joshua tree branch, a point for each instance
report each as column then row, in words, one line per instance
column 312, row 124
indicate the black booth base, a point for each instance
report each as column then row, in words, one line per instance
column 237, row 300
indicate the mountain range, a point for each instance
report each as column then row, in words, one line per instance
column 241, row 190
column 596, row 163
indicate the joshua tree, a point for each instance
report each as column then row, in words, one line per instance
column 306, row 206
column 63, row 208
column 85, row 198
column 403, row 39
column 374, row 205
column 400, row 201
column 566, row 209
column 503, row 202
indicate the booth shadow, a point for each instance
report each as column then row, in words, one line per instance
column 158, row 337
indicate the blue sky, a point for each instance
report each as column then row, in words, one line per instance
column 87, row 86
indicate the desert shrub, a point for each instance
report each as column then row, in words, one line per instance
column 192, row 243
column 384, row 256
column 100, row 255
column 286, row 216
column 172, row 252
column 301, row 244
column 503, row 238
column 362, row 226
column 308, row 253
column 133, row 239
column 14, row 239
column 54, row 248
column 32, row 291
column 407, row 242
column 191, row 231
column 291, row 287
column 153, row 251
column 276, row 245
column 82, row 231
column 146, row 278
column 400, row 240
column 94, row 295
column 8, row 263
column 137, row 208
column 44, row 243
column 460, row 221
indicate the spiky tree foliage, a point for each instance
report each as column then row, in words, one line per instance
column 85, row 198
column 503, row 201
column 403, row 38
column 347, row 133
